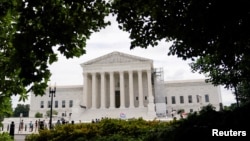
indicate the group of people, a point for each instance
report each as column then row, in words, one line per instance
column 32, row 127
column 95, row 120
column 63, row 121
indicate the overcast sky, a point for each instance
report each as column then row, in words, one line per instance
column 69, row 71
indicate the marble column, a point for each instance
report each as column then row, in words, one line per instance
column 94, row 90
column 85, row 94
column 140, row 97
column 150, row 90
column 122, row 93
column 103, row 90
column 112, row 90
column 150, row 105
column 131, row 90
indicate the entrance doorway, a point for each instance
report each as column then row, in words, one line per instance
column 117, row 99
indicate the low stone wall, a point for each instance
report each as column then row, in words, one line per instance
column 27, row 130
column 26, row 124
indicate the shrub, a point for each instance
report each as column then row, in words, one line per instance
column 38, row 115
column 105, row 130
column 5, row 137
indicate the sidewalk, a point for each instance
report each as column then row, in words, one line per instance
column 17, row 132
column 20, row 137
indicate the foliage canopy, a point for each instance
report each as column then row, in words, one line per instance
column 5, row 108
column 31, row 34
column 21, row 108
column 214, row 34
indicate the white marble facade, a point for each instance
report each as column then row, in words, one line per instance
column 119, row 85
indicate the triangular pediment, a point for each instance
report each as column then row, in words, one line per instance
column 116, row 57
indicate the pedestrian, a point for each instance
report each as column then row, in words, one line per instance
column 31, row 126
column 58, row 122
column 45, row 125
column 25, row 127
column 12, row 129
column 21, row 126
column 36, row 125
column 41, row 125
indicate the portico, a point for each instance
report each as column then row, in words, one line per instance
column 117, row 81
column 121, row 90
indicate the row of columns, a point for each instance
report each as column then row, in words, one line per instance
column 112, row 88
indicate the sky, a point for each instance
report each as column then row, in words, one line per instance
column 69, row 71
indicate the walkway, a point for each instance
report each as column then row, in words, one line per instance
column 19, row 137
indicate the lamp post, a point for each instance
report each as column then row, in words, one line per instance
column 21, row 123
column 52, row 93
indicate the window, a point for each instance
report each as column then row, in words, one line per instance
column 146, row 97
column 136, row 98
column 206, row 98
column 181, row 99
column 173, row 99
column 166, row 100
column 42, row 104
column 198, row 98
column 49, row 104
column 190, row 99
column 63, row 104
column 71, row 103
column 191, row 110
column 56, row 104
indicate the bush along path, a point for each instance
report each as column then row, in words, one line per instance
column 197, row 126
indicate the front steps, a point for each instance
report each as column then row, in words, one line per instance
column 119, row 113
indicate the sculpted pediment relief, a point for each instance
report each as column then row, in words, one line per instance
column 116, row 57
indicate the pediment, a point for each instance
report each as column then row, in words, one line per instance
column 116, row 57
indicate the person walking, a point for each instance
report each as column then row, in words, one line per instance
column 36, row 125
column 21, row 126
column 31, row 126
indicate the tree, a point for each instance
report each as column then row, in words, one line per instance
column 244, row 93
column 54, row 112
column 214, row 34
column 33, row 32
column 232, row 107
column 21, row 108
column 38, row 115
column 207, row 108
column 5, row 108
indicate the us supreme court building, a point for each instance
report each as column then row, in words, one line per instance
column 119, row 85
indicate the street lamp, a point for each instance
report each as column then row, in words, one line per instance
column 52, row 93
column 21, row 122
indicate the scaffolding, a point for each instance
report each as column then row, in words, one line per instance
column 158, row 85
column 158, row 74
column 159, row 89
